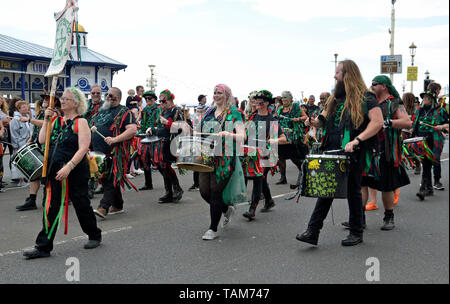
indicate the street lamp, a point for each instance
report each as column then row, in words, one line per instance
column 412, row 51
column 152, row 81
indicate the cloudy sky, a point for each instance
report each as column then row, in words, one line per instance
column 247, row 44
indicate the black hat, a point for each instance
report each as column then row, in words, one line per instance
column 200, row 97
column 430, row 93
column 149, row 93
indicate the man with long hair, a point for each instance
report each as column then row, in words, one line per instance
column 351, row 119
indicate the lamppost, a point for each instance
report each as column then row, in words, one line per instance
column 392, row 32
column 412, row 51
column 152, row 81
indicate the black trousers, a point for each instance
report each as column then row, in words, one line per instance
column 112, row 196
column 260, row 186
column 148, row 177
column 427, row 183
column 196, row 179
column 354, row 199
column 78, row 194
column 211, row 192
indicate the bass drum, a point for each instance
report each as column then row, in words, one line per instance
column 325, row 176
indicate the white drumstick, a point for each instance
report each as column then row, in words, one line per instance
column 94, row 129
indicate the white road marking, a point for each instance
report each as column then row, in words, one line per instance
column 74, row 239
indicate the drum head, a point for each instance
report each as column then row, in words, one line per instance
column 413, row 140
column 325, row 156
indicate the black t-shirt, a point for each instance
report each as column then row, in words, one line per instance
column 265, row 121
column 104, row 122
column 335, row 126
column 173, row 115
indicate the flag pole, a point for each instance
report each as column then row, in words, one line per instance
column 49, row 125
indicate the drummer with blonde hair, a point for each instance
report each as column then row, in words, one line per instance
column 68, row 174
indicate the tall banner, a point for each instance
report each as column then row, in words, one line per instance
column 65, row 21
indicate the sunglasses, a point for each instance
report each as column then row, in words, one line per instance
column 111, row 96
column 96, row 93
column 148, row 98
column 374, row 84
column 162, row 101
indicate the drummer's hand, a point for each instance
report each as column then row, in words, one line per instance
column 24, row 119
column 164, row 121
column 63, row 173
column 350, row 147
column 49, row 112
column 297, row 119
column 307, row 123
column 110, row 140
column 148, row 131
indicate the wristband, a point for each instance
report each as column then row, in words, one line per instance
column 358, row 139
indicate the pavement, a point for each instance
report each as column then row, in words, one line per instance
column 161, row 243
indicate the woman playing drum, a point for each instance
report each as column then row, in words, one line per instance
column 216, row 120
column 68, row 175
column 255, row 167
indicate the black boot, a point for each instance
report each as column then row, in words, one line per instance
column 168, row 197
column 177, row 191
column 388, row 221
column 30, row 204
column 250, row 214
column 309, row 236
column 268, row 205
column 352, row 240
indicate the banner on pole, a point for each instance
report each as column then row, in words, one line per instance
column 63, row 41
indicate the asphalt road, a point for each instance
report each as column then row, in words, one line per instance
column 154, row 243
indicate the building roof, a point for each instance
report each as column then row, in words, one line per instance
column 16, row 48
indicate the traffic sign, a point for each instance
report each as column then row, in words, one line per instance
column 391, row 64
column 412, row 73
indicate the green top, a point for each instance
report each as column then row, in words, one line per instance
column 294, row 131
column 149, row 118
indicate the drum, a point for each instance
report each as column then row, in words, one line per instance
column 99, row 166
column 417, row 146
column 29, row 160
column 325, row 176
column 150, row 140
column 195, row 154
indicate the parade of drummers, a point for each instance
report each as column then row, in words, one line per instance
column 227, row 141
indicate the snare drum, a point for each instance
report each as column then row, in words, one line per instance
column 195, row 154
column 418, row 146
column 325, row 176
column 29, row 160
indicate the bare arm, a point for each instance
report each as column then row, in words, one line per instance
column 402, row 121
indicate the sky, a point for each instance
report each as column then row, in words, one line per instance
column 247, row 44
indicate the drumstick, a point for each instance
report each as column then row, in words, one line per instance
column 16, row 118
column 422, row 123
column 200, row 133
column 94, row 129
